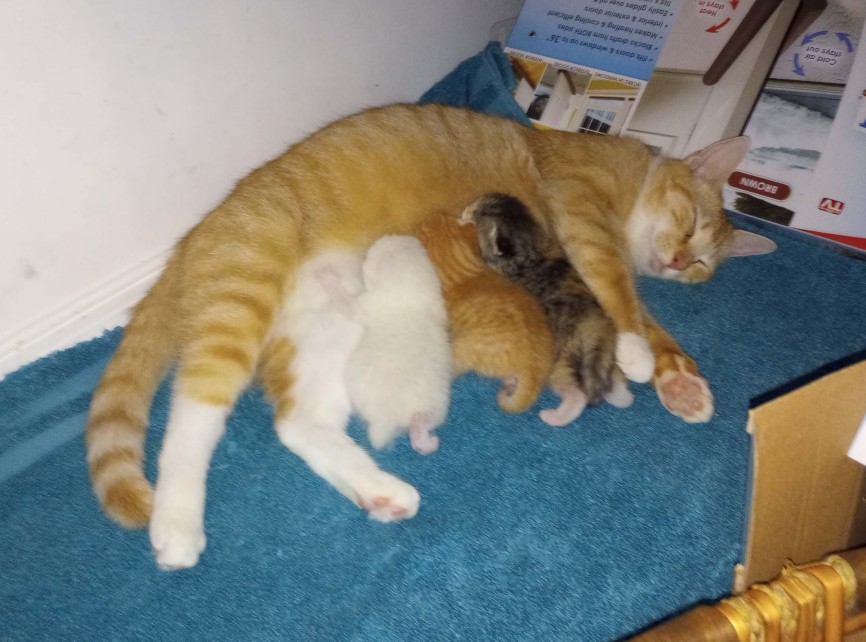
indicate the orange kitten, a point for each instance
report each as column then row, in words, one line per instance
column 498, row 329
column 214, row 311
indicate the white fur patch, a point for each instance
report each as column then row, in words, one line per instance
column 177, row 522
column 335, row 457
column 634, row 357
column 321, row 318
column 619, row 395
column 640, row 231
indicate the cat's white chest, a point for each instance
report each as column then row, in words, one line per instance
column 640, row 234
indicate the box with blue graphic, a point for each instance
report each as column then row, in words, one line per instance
column 804, row 169
column 582, row 65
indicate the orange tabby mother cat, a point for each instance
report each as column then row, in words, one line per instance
column 215, row 311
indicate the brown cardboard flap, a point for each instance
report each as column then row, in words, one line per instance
column 807, row 495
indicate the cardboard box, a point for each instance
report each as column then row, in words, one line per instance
column 582, row 65
column 807, row 496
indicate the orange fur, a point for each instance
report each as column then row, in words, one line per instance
column 379, row 172
column 498, row 329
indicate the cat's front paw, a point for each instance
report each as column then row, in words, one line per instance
column 634, row 357
column 685, row 394
column 387, row 498
column 177, row 539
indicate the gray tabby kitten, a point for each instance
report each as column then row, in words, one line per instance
column 585, row 372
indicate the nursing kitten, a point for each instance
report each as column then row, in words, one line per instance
column 498, row 329
column 585, row 371
column 399, row 377
column 612, row 205
column 317, row 318
column 320, row 318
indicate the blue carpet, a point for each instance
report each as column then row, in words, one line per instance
column 525, row 532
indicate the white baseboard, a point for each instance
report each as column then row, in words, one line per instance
column 103, row 308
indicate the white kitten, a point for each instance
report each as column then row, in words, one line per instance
column 399, row 377
column 319, row 318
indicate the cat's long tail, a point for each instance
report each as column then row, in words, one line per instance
column 120, row 407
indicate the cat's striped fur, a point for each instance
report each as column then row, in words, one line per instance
column 498, row 329
column 378, row 172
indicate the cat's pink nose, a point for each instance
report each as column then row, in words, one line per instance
column 679, row 262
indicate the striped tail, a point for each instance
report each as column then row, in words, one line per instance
column 120, row 408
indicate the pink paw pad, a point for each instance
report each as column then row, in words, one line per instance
column 380, row 503
column 685, row 395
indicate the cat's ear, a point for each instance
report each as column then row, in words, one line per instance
column 502, row 245
column 715, row 163
column 750, row 244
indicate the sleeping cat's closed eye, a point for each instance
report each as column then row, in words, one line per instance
column 694, row 225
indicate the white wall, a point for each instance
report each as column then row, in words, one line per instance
column 124, row 122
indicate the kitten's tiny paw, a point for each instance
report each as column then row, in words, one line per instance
column 389, row 499
column 634, row 357
column 685, row 395
column 426, row 445
column 177, row 540
column 424, row 440
column 619, row 395
column 552, row 417
column 572, row 403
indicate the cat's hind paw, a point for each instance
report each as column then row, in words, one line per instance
column 685, row 395
column 389, row 499
column 177, row 540
column 634, row 357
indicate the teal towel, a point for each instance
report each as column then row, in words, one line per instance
column 586, row 533
column 483, row 83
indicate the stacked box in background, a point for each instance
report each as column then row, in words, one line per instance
column 582, row 65
column 808, row 131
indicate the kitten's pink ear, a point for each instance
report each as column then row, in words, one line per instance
column 715, row 163
column 494, row 239
column 750, row 244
